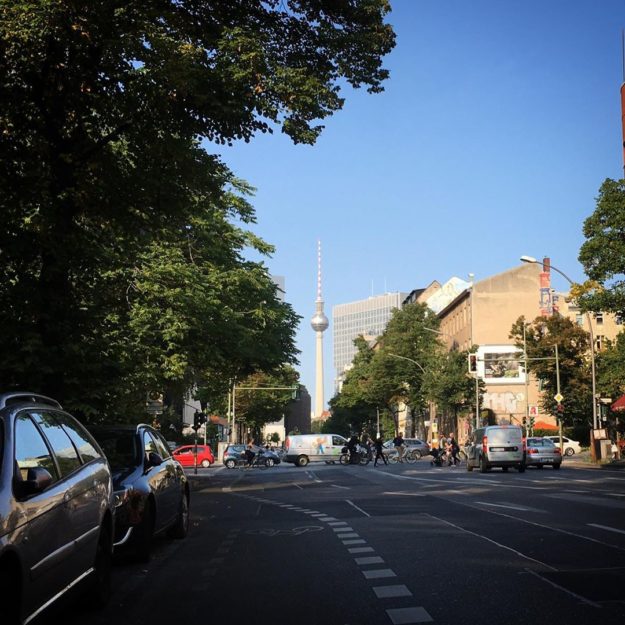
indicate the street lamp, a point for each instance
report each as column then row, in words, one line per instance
column 408, row 359
column 531, row 259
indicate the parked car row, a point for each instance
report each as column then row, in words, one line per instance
column 70, row 496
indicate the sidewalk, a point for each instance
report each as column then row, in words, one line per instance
column 584, row 460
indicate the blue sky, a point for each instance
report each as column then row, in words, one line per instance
column 497, row 126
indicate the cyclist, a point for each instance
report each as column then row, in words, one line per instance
column 398, row 443
column 352, row 445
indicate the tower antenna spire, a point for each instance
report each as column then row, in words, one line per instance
column 319, row 324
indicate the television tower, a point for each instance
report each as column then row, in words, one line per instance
column 319, row 324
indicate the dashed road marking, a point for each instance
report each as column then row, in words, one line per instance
column 404, row 616
column 390, row 592
column 379, row 573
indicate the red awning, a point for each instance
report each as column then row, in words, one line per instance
column 543, row 425
column 619, row 404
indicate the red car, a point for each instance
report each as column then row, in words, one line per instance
column 185, row 455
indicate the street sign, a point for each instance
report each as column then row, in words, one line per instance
column 558, row 397
column 533, row 411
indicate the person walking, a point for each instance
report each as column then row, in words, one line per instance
column 454, row 448
column 378, row 452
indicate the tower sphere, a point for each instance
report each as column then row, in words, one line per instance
column 319, row 322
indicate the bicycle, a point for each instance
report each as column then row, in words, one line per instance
column 409, row 457
column 258, row 461
column 361, row 456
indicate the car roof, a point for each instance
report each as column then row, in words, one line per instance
column 26, row 397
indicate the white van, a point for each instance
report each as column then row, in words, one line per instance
column 304, row 448
column 496, row 446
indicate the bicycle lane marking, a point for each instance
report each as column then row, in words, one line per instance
column 398, row 616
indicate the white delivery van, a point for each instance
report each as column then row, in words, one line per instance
column 496, row 446
column 304, row 448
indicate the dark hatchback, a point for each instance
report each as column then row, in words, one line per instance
column 56, row 509
column 151, row 488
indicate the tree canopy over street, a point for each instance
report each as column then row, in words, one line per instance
column 125, row 240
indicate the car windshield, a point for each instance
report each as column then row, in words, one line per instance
column 119, row 446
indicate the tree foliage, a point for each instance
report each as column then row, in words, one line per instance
column 124, row 243
column 541, row 336
column 603, row 252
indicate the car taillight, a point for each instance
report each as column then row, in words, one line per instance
column 557, row 451
column 532, row 451
column 485, row 444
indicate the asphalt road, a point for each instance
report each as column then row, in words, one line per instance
column 398, row 544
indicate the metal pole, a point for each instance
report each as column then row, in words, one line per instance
column 558, row 393
column 527, row 388
column 477, row 402
column 232, row 432
column 378, row 413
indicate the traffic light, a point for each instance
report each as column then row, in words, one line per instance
column 532, row 422
column 199, row 418
column 473, row 363
column 524, row 421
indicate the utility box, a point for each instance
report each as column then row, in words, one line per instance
column 605, row 449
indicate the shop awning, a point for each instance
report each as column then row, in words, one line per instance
column 543, row 425
column 618, row 405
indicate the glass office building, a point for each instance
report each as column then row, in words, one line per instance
column 367, row 317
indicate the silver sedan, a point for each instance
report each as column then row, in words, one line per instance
column 541, row 452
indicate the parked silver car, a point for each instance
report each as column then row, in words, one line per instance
column 541, row 452
column 56, row 508
column 413, row 446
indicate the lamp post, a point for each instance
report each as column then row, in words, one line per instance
column 531, row 259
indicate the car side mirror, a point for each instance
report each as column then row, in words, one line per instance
column 37, row 480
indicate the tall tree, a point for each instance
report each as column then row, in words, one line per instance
column 109, row 196
column 603, row 252
column 541, row 336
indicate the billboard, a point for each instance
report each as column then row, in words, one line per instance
column 501, row 364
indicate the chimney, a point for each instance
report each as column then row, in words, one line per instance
column 546, row 264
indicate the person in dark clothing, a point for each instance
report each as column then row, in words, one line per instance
column 454, row 448
column 398, row 443
column 378, row 452
column 352, row 444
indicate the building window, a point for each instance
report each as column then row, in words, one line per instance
column 599, row 318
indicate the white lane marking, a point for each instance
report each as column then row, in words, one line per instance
column 500, row 505
column 606, row 527
column 359, row 541
column 369, row 560
column 404, row 494
column 490, row 540
column 579, row 597
column 343, row 529
column 379, row 573
column 351, row 503
column 404, row 616
column 348, row 535
column 360, row 550
column 342, row 487
column 327, row 518
column 337, row 523
column 388, row 592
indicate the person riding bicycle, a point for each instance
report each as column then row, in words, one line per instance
column 398, row 443
column 352, row 446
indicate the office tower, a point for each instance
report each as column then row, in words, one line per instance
column 319, row 324
column 367, row 318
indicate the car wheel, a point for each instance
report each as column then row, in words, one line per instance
column 230, row 463
column 143, row 534
column 483, row 466
column 469, row 466
column 569, row 451
column 206, row 463
column 99, row 591
column 269, row 462
column 557, row 465
column 181, row 527
column 302, row 461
